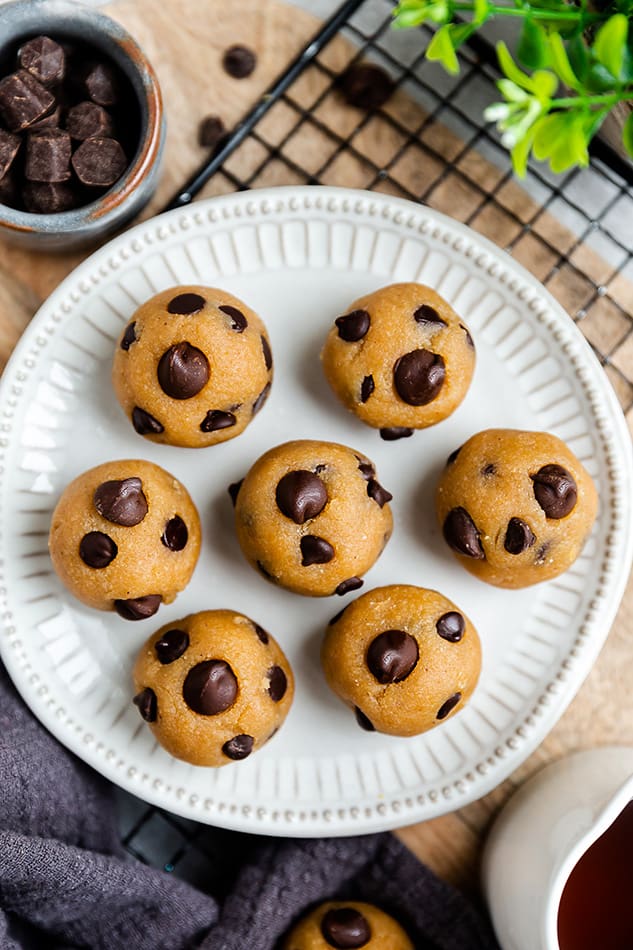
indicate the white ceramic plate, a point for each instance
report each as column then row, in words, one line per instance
column 300, row 256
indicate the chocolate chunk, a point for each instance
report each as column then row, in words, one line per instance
column 217, row 419
column 48, row 156
column 9, row 194
column 392, row 656
column 555, row 490
column 448, row 706
column 238, row 320
column 261, row 399
column 363, row 721
column 266, row 573
column 183, row 371
column 301, row 495
column 366, row 468
column 451, row 626
column 461, row 534
column 210, row 131
column 418, row 376
column 489, row 470
column 147, row 705
column 380, row 495
column 261, row 633
column 345, row 928
column 278, row 683
column 366, row 389
column 210, row 687
column 319, row 468
column 337, row 616
column 175, row 535
column 99, row 162
column 23, row 100
column 44, row 59
column 353, row 326
column 392, row 433
column 42, row 197
column 87, row 119
column 452, row 457
column 97, row 549
column 542, row 552
column 234, row 490
column 428, row 316
column 9, row 148
column 144, row 423
column 171, row 646
column 469, row 338
column 366, row 86
column 268, row 356
column 186, row 304
column 239, row 61
column 315, row 550
column 100, row 82
column 239, row 747
column 519, row 536
column 129, row 336
column 50, row 121
column 121, row 501
column 351, row 583
column 138, row 608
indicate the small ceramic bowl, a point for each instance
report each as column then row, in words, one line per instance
column 89, row 223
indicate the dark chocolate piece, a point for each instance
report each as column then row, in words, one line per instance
column 489, row 470
column 418, row 377
column 9, row 148
column 48, row 156
column 337, row 616
column 147, row 705
column 367, row 387
column 50, row 121
column 278, row 683
column 183, row 371
column 428, row 316
column 23, row 100
column 129, row 337
column 448, row 706
column 268, row 356
column 99, row 162
column 234, row 490
column 349, row 584
column 210, row 131
column 210, row 687
column 100, row 83
column 461, row 534
column 453, row 456
column 138, row 608
column 393, row 433
column 366, row 86
column 366, row 469
column 176, row 534
column 261, row 399
column 217, row 419
column 121, row 501
column 238, row 320
column 353, row 326
column 261, row 634
column 392, row 656
column 363, row 721
column 44, row 59
column 146, row 424
column 469, row 338
column 555, row 490
column 451, row 626
column 239, row 61
column 186, row 304
column 97, row 549
column 171, row 646
column 87, row 119
column 301, row 495
column 519, row 536
column 315, row 550
column 239, row 747
column 41, row 197
column 380, row 495
column 345, row 928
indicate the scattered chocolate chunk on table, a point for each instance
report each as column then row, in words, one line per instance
column 366, row 86
column 239, row 61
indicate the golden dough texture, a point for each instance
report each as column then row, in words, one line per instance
column 347, row 924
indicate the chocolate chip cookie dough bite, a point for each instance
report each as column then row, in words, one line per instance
column 350, row 924
column 403, row 658
column 125, row 536
column 312, row 517
column 213, row 687
column 515, row 507
column 400, row 359
column 192, row 367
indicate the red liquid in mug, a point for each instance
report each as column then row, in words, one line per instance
column 596, row 909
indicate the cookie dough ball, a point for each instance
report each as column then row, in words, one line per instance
column 403, row 658
column 515, row 507
column 125, row 536
column 400, row 359
column 341, row 924
column 192, row 367
column 312, row 517
column 213, row 687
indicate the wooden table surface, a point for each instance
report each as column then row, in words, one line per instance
column 185, row 40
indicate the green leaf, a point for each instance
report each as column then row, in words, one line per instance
column 545, row 83
column 510, row 69
column 481, row 11
column 561, row 138
column 578, row 56
column 559, row 61
column 627, row 135
column 460, row 32
column 599, row 79
column 610, row 43
column 533, row 48
column 521, row 153
column 441, row 50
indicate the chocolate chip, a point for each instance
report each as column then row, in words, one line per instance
column 23, row 100
column 171, row 646
column 238, row 320
column 519, row 536
column 418, row 376
column 261, row 399
column 367, row 388
column 138, row 608
column 268, row 356
column 210, row 131
column 366, row 469
column 345, row 928
column 186, row 304
column 363, row 721
column 469, row 338
column 315, row 550
column 261, row 633
column 448, row 706
column 210, row 687
column 366, row 86
column 542, row 552
column 9, row 147
column 100, row 82
column 555, row 490
column 353, row 326
column 147, row 705
column 489, row 469
column 266, row 573
column 239, row 747
column 176, row 534
column 351, row 583
column 50, row 121
column 239, row 61
column 392, row 656
column 234, row 490
column 121, row 501
column 42, row 197
column 48, row 156
column 380, row 495
column 319, row 468
column 301, row 495
column 429, row 316
column 87, row 119
column 451, row 626
column 129, row 336
column 183, row 371
column 144, row 423
column 461, row 534
column 216, row 419
column 97, row 549
column 453, row 456
column 392, row 433
column 338, row 616
column 277, row 683
column 44, row 59
column 99, row 162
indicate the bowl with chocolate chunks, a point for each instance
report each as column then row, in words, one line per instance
column 81, row 125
